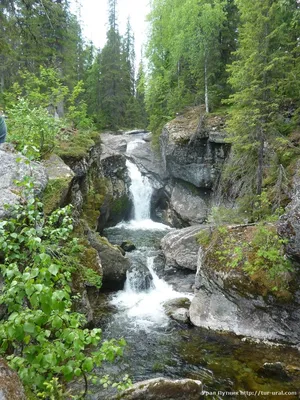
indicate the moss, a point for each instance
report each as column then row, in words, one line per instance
column 94, row 199
column 77, row 145
column 120, row 205
column 55, row 193
column 88, row 261
column 242, row 250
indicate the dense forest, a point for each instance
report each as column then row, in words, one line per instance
column 238, row 59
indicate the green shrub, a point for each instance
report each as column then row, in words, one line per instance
column 32, row 129
column 42, row 339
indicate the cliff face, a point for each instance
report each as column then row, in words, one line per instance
column 193, row 151
column 193, row 148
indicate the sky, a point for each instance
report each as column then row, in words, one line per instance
column 93, row 16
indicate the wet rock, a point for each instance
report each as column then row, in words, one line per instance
column 14, row 166
column 59, row 183
column 11, row 387
column 274, row 370
column 163, row 389
column 180, row 315
column 178, row 309
column 148, row 161
column 180, row 247
column 289, row 224
column 128, row 246
column 114, row 264
column 117, row 203
column 139, row 278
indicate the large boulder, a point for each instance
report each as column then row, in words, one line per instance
column 163, row 389
column 117, row 204
column 11, row 387
column 180, row 247
column 60, row 179
column 289, row 224
column 15, row 167
column 228, row 299
column 193, row 148
column 114, row 264
column 188, row 206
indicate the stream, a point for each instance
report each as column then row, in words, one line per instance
column 159, row 346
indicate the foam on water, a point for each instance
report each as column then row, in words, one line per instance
column 146, row 307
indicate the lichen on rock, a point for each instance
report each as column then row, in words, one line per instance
column 59, row 183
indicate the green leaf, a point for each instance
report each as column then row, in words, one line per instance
column 29, row 327
column 53, row 269
column 88, row 364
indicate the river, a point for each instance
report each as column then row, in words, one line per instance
column 159, row 346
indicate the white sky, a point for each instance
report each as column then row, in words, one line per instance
column 94, row 19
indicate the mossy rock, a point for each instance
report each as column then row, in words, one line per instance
column 77, row 145
column 57, row 189
column 240, row 253
column 94, row 199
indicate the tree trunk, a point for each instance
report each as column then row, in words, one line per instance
column 206, row 85
column 260, row 164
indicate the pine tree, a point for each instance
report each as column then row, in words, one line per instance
column 258, row 77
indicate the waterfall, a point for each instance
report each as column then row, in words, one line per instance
column 141, row 191
column 146, row 306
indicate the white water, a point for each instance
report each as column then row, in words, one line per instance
column 146, row 307
column 141, row 191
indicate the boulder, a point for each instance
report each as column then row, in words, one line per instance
column 117, row 203
column 189, row 207
column 59, row 183
column 289, row 223
column 178, row 309
column 114, row 264
column 163, row 389
column 180, row 247
column 128, row 246
column 14, row 166
column 11, row 387
column 274, row 370
column 227, row 299
column 139, row 278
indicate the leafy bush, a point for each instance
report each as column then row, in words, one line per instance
column 42, row 339
column 32, row 129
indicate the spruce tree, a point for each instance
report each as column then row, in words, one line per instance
column 258, row 76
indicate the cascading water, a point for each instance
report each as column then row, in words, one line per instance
column 141, row 191
column 157, row 345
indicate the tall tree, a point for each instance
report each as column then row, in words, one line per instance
column 259, row 78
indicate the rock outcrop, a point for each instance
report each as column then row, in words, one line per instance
column 15, row 167
column 289, row 223
column 187, row 206
column 59, row 184
column 114, row 264
column 228, row 299
column 180, row 247
column 163, row 389
column 193, row 148
column 11, row 387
